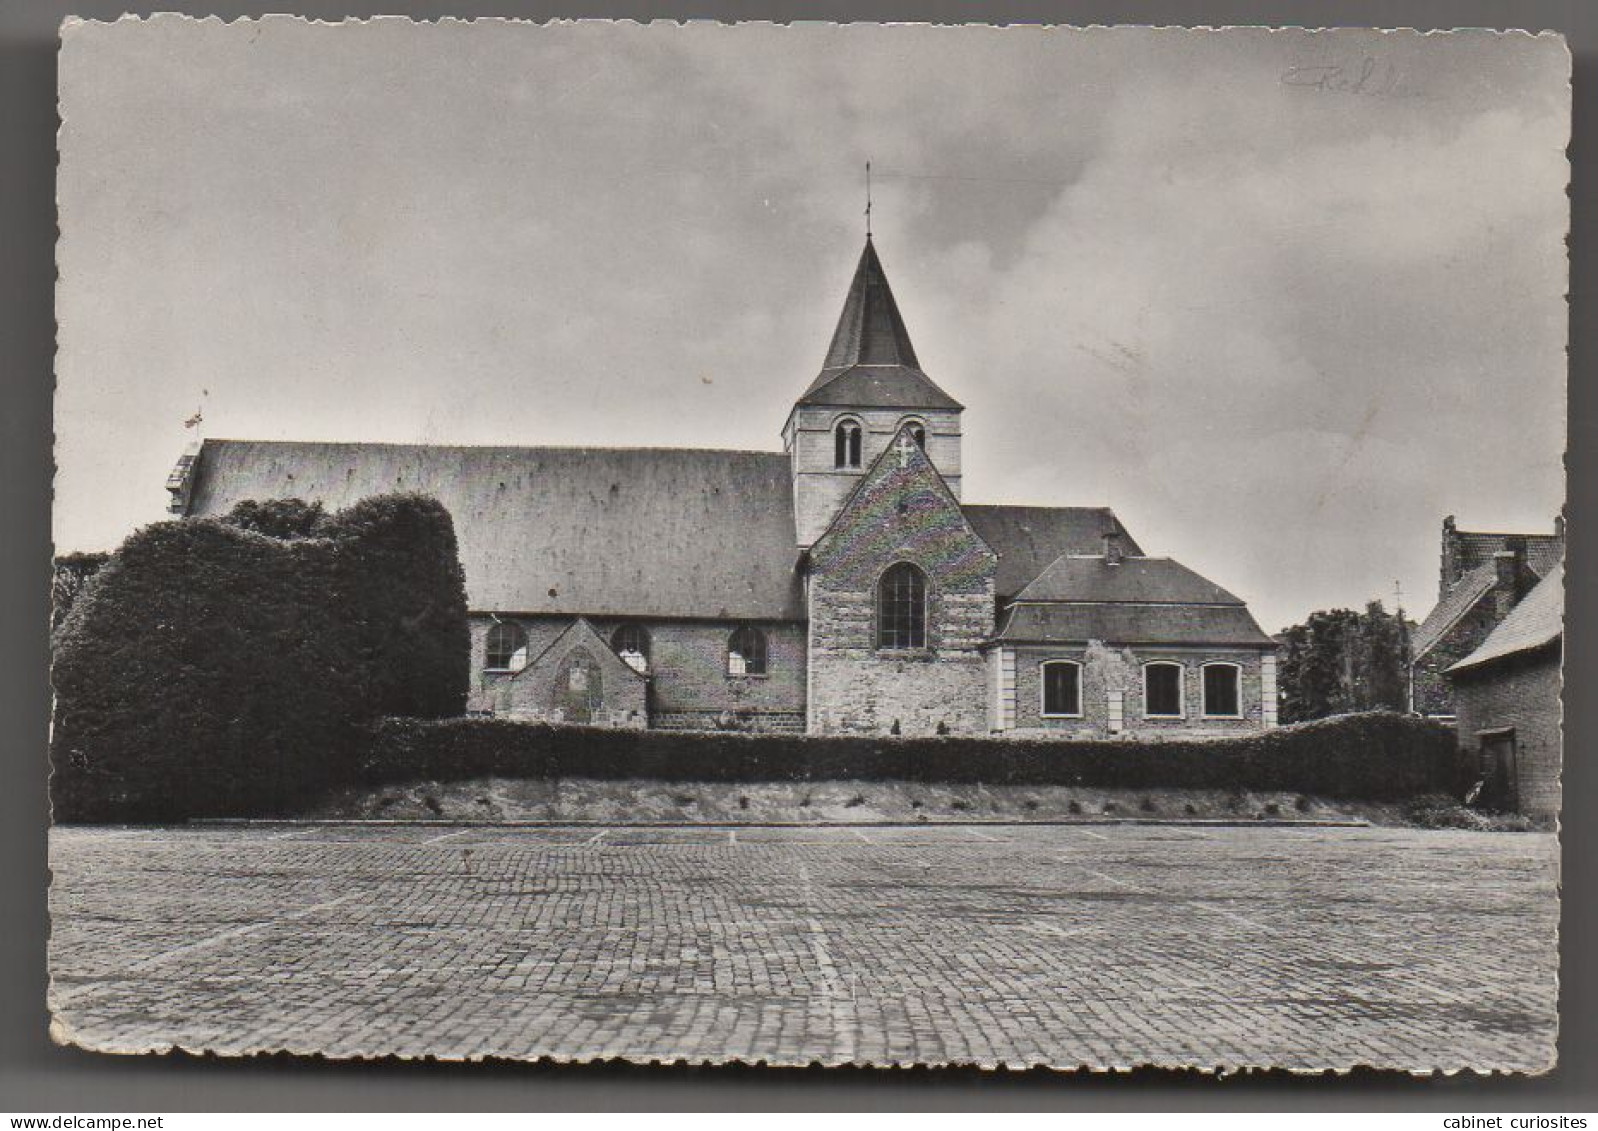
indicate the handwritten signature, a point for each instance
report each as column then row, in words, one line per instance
column 1370, row 76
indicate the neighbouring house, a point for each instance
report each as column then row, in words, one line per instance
column 1481, row 578
column 840, row 585
column 1506, row 696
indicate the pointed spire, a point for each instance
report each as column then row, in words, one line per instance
column 870, row 330
column 871, row 361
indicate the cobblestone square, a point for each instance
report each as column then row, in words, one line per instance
column 1108, row 946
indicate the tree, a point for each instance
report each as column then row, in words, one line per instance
column 72, row 573
column 1339, row 661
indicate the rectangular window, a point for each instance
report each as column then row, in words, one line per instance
column 1162, row 690
column 1062, row 689
column 1221, row 696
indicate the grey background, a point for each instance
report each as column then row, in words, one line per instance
column 36, row 1076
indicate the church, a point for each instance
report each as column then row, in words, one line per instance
column 841, row 585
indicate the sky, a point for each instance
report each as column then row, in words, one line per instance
column 1281, row 299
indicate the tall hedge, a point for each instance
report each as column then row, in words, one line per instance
column 1375, row 756
column 71, row 576
column 213, row 669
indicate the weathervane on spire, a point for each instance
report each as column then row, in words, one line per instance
column 868, row 200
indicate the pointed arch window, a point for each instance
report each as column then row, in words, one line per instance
column 631, row 643
column 902, row 608
column 746, row 651
column 507, row 647
column 846, row 444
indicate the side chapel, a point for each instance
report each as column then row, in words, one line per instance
column 841, row 585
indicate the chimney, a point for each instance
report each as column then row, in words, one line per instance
column 1448, row 572
column 1506, row 587
column 1112, row 547
column 1559, row 527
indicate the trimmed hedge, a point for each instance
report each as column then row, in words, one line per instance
column 1375, row 756
column 216, row 670
column 72, row 575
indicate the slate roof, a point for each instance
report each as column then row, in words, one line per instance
column 1460, row 600
column 871, row 362
column 1537, row 621
column 877, row 386
column 612, row 531
column 1136, row 580
column 1027, row 539
column 1141, row 600
column 601, row 531
column 1127, row 623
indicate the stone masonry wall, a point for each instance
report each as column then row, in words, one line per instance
column 901, row 513
column 1114, row 668
column 1433, row 692
column 580, row 680
column 858, row 689
column 820, row 488
column 689, row 687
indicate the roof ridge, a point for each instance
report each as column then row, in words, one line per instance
column 652, row 449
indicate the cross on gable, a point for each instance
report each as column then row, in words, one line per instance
column 905, row 446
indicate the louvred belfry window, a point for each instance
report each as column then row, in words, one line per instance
column 902, row 608
column 846, row 444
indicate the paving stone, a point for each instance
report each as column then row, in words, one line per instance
column 1114, row 946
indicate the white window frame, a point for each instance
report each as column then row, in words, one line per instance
column 1043, row 690
column 1181, row 688
column 1204, row 688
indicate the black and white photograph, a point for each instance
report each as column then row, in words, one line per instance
column 817, row 544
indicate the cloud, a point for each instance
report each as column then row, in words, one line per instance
column 1282, row 330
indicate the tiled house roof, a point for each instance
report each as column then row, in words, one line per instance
column 1446, row 613
column 601, row 531
column 1537, row 621
column 1027, row 539
column 1475, row 548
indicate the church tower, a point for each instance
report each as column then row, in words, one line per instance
column 870, row 387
